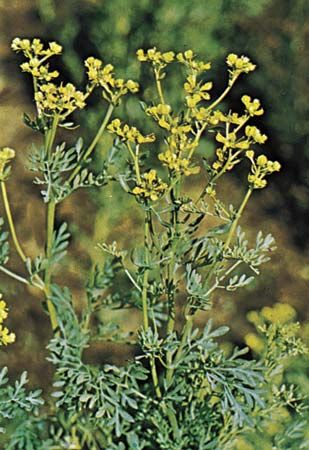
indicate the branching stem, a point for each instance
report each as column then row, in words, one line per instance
column 94, row 141
column 14, row 275
column 159, row 87
column 50, row 219
column 224, row 93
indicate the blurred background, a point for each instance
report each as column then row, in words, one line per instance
column 273, row 33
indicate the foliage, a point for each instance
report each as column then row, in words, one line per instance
column 181, row 390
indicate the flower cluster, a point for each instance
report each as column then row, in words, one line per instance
column 195, row 66
column 129, row 134
column 260, row 167
column 37, row 56
column 151, row 186
column 181, row 146
column 59, row 100
column 228, row 155
column 159, row 113
column 5, row 336
column 230, row 118
column 279, row 315
column 177, row 164
column 255, row 135
column 158, row 59
column 239, row 64
column 196, row 91
column 233, row 145
column 39, row 71
column 206, row 116
column 179, row 140
column 35, row 47
column 279, row 312
column 6, row 154
column 103, row 76
column 231, row 141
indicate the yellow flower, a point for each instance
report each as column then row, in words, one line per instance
column 255, row 134
column 132, row 86
column 177, row 164
column 239, row 64
column 252, row 106
column 230, row 141
column 273, row 166
column 129, row 134
column 254, row 342
column 250, row 154
column 158, row 59
column 3, row 311
column 280, row 312
column 103, row 76
column 6, row 154
column 41, row 72
column 37, row 55
column 141, row 56
column 189, row 54
column 35, row 47
column 256, row 181
column 187, row 58
column 193, row 100
column 150, row 186
column 168, row 56
column 5, row 336
column 61, row 100
column 55, row 48
column 260, row 168
column 159, row 112
column 254, row 317
column 20, row 45
column 211, row 192
column 261, row 160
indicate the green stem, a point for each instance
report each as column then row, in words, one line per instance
column 17, row 245
column 159, row 87
column 50, row 220
column 145, row 302
column 196, row 140
column 50, row 136
column 11, row 222
column 232, row 230
column 213, row 180
column 155, row 378
column 14, row 275
column 241, row 124
column 94, row 141
column 51, row 209
column 238, row 216
column 216, row 284
column 224, row 94
column 35, row 89
column 171, row 266
column 146, row 274
column 135, row 159
column 185, row 333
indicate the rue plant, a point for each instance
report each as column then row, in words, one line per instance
column 182, row 391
